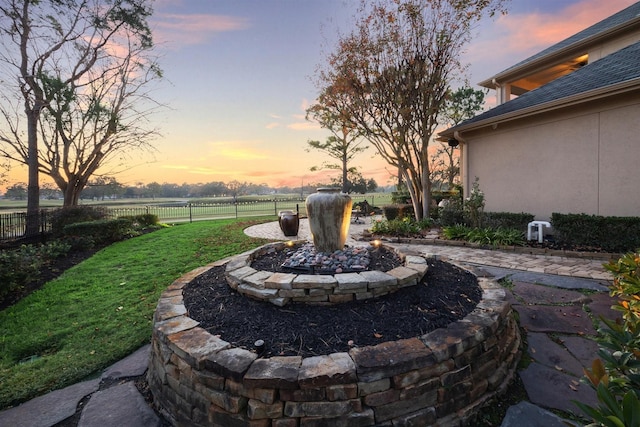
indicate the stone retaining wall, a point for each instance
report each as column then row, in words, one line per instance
column 441, row 378
column 281, row 288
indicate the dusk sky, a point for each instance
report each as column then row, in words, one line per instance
column 239, row 78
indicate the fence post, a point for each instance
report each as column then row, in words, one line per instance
column 236, row 206
column 190, row 214
column 275, row 206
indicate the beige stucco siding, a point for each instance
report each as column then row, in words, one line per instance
column 575, row 161
column 620, row 162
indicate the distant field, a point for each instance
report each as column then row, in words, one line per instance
column 169, row 210
column 6, row 206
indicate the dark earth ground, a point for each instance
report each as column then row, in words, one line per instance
column 445, row 295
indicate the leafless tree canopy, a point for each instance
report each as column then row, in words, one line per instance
column 76, row 87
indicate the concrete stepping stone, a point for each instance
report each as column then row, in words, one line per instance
column 544, row 350
column 50, row 409
column 542, row 294
column 553, row 389
column 133, row 365
column 525, row 414
column 565, row 319
column 118, row 406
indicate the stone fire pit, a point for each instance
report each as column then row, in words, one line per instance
column 441, row 378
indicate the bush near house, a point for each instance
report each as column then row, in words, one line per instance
column 611, row 234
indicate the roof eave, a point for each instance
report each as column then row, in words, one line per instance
column 580, row 98
column 515, row 73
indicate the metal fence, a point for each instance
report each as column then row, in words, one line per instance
column 13, row 225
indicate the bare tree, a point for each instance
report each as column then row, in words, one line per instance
column 76, row 67
column 462, row 104
column 392, row 74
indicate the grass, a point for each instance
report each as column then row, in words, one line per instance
column 100, row 310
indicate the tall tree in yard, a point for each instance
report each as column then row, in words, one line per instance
column 392, row 74
column 344, row 143
column 77, row 72
column 462, row 104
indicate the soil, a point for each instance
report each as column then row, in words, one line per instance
column 446, row 294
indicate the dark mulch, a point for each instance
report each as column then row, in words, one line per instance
column 445, row 295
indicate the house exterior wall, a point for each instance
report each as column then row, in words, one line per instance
column 578, row 160
column 601, row 50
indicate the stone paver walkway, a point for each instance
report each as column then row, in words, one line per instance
column 548, row 264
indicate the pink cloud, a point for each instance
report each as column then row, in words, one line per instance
column 180, row 29
column 514, row 37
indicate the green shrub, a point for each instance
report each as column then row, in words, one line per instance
column 496, row 220
column 474, row 205
column 399, row 227
column 62, row 217
column 611, row 234
column 456, row 232
column 392, row 212
column 143, row 220
column 451, row 213
column 101, row 231
column 21, row 266
column 17, row 267
column 485, row 236
column 616, row 376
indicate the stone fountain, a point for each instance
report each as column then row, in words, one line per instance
column 440, row 378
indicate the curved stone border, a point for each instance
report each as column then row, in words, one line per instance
column 443, row 377
column 281, row 288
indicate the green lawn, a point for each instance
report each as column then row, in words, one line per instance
column 101, row 310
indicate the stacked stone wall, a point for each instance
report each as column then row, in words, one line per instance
column 282, row 288
column 439, row 379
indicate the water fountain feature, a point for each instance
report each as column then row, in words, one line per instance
column 439, row 378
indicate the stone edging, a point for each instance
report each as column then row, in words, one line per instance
column 442, row 377
column 281, row 288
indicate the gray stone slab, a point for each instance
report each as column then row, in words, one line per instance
column 566, row 282
column 553, row 389
column 547, row 352
column 49, row 409
column 600, row 305
column 133, row 365
column 561, row 319
column 525, row 414
column 583, row 349
column 531, row 293
column 118, row 406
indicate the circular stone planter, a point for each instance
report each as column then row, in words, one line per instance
column 282, row 288
column 441, row 378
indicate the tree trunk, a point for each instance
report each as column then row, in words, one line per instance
column 33, row 186
column 71, row 192
column 345, row 179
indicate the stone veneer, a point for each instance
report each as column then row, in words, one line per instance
column 441, row 378
column 282, row 288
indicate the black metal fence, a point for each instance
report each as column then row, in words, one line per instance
column 14, row 225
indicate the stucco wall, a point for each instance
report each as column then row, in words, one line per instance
column 580, row 160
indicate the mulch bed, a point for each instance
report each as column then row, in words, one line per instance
column 446, row 294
